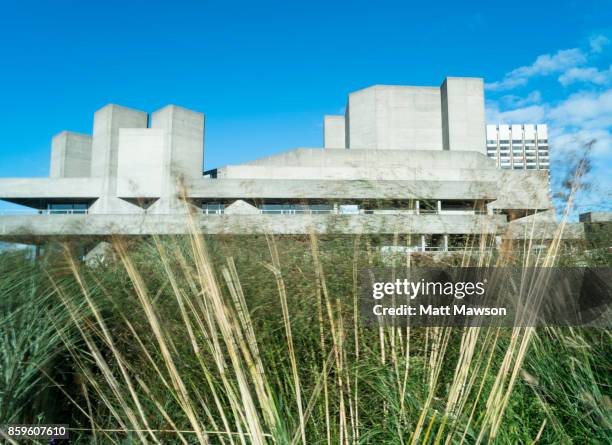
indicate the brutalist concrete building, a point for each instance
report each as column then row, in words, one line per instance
column 402, row 159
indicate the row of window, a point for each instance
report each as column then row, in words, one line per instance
column 516, row 141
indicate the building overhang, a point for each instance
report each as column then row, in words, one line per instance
column 34, row 191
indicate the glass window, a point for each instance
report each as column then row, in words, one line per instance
column 213, row 208
column 67, row 208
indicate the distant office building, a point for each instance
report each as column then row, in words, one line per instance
column 518, row 147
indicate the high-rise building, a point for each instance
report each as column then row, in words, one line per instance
column 519, row 147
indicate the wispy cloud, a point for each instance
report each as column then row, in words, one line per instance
column 598, row 43
column 569, row 62
column 512, row 100
column 588, row 75
column 544, row 65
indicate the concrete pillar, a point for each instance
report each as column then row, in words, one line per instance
column 70, row 155
column 104, row 155
column 423, row 245
column 417, row 207
column 439, row 208
column 445, row 243
column 183, row 154
column 334, row 132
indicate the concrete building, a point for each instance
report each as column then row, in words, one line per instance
column 519, row 147
column 409, row 160
column 385, row 117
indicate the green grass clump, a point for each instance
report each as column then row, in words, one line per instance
column 236, row 340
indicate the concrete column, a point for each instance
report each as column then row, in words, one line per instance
column 70, row 155
column 439, row 206
column 105, row 154
column 417, row 207
column 445, row 243
column 423, row 243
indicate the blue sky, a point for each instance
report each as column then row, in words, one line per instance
column 265, row 73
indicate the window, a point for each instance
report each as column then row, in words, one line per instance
column 213, row 208
column 67, row 208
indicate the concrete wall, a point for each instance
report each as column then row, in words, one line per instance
column 140, row 163
column 334, row 132
column 463, row 115
column 339, row 189
column 70, row 155
column 523, row 189
column 30, row 227
column 364, row 172
column 355, row 158
column 395, row 118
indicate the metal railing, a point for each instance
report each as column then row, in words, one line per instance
column 296, row 211
column 17, row 212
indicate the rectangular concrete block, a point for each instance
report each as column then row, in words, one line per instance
column 70, row 155
column 386, row 117
column 334, row 132
column 463, row 115
column 184, row 140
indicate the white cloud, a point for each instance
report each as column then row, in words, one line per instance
column 511, row 100
column 584, row 109
column 598, row 42
column 544, row 65
column 590, row 75
column 529, row 114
